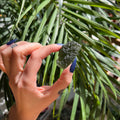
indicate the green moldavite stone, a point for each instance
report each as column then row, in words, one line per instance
column 68, row 53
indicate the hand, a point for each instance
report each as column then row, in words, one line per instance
column 30, row 99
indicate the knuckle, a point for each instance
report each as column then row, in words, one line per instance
column 35, row 57
column 24, row 83
column 16, row 51
column 16, row 85
column 23, row 42
column 10, row 84
column 3, row 53
column 67, row 81
column 66, row 78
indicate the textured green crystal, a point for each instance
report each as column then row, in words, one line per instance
column 67, row 54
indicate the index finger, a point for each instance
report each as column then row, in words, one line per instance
column 47, row 50
column 19, row 54
column 35, row 60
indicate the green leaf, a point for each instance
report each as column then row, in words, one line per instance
column 44, row 20
column 83, row 108
column 25, row 12
column 50, row 26
column 82, row 34
column 40, row 7
column 22, row 6
column 54, row 65
column 62, row 102
column 92, row 23
column 82, row 9
column 107, row 80
column 80, row 24
column 96, row 4
column 74, row 107
column 54, row 36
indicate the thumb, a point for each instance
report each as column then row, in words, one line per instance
column 64, row 80
column 52, row 93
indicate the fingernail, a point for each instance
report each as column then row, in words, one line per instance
column 11, row 41
column 60, row 44
column 72, row 67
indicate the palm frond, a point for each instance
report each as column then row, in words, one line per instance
column 91, row 24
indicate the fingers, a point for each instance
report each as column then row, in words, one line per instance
column 5, row 54
column 52, row 93
column 19, row 54
column 35, row 60
column 47, row 50
column 2, row 67
column 64, row 80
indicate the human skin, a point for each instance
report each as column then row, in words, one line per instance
column 30, row 100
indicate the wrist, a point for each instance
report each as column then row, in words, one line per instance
column 15, row 114
column 12, row 113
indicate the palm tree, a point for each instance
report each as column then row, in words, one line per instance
column 94, row 24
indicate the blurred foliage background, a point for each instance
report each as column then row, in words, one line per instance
column 92, row 23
